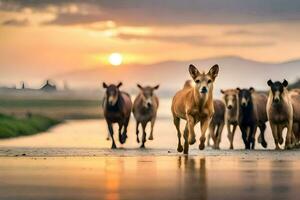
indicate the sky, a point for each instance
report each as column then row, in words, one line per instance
column 43, row 38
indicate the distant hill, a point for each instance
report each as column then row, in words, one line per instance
column 234, row 71
column 295, row 85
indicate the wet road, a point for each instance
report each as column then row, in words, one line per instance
column 73, row 161
column 154, row 177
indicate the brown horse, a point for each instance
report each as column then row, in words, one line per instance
column 117, row 107
column 280, row 112
column 194, row 103
column 231, row 100
column 144, row 110
column 217, row 124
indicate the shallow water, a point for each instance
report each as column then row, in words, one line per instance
column 93, row 133
column 175, row 177
column 74, row 161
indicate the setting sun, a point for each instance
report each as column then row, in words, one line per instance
column 115, row 59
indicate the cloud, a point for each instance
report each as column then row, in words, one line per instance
column 168, row 12
column 247, row 33
column 76, row 19
column 16, row 22
column 195, row 40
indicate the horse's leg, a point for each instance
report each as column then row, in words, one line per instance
column 275, row 133
column 262, row 129
column 288, row 144
column 152, row 126
column 124, row 135
column 208, row 140
column 144, row 124
column 244, row 136
column 229, row 135
column 252, row 135
column 191, row 124
column 137, row 132
column 111, row 131
column 219, row 134
column 186, row 139
column 211, row 134
column 176, row 121
column 120, row 132
column 204, row 125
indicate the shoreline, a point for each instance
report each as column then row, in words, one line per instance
column 279, row 155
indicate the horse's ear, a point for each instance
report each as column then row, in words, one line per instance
column 270, row 82
column 104, row 85
column 285, row 83
column 156, row 87
column 139, row 86
column 120, row 84
column 214, row 70
column 222, row 91
column 193, row 71
column 238, row 89
column 251, row 89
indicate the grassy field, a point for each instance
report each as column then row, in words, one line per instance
column 13, row 127
column 57, row 105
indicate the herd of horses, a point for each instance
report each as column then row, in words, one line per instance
column 244, row 108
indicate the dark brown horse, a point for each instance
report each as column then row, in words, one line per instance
column 117, row 107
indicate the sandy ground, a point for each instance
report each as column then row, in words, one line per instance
column 74, row 161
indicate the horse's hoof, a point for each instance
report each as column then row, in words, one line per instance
column 201, row 146
column 289, row 147
column 280, row 141
column 231, row 147
column 186, row 151
column 142, row 146
column 264, row 144
column 151, row 137
column 192, row 140
column 113, row 146
column 179, row 149
column 277, row 148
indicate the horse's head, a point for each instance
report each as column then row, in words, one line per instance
column 230, row 98
column 204, row 81
column 112, row 93
column 277, row 89
column 147, row 95
column 245, row 96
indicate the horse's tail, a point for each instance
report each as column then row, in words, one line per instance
column 188, row 84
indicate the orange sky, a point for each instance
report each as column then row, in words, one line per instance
column 39, row 39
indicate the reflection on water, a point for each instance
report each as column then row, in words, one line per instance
column 194, row 185
column 117, row 178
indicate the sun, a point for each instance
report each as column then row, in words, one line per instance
column 115, row 59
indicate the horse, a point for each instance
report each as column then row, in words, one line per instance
column 217, row 124
column 117, row 107
column 194, row 103
column 144, row 110
column 294, row 95
column 252, row 114
column 231, row 100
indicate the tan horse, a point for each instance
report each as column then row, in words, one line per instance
column 280, row 112
column 194, row 103
column 231, row 100
column 295, row 100
column 144, row 110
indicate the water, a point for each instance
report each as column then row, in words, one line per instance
column 93, row 133
column 74, row 161
column 175, row 177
